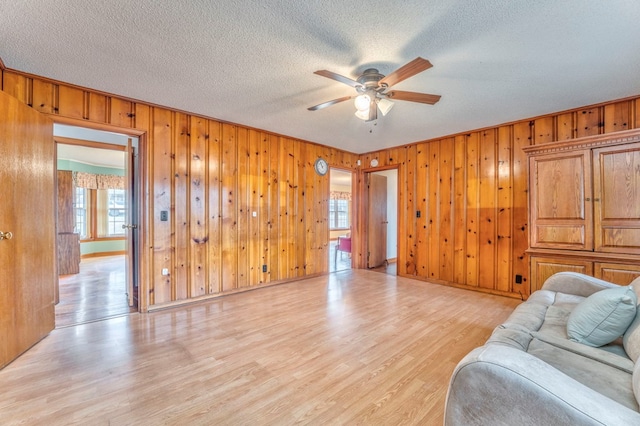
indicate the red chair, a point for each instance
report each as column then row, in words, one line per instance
column 344, row 246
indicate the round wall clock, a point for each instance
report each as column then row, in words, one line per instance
column 321, row 166
column 374, row 162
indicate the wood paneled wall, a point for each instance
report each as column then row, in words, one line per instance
column 210, row 177
column 471, row 190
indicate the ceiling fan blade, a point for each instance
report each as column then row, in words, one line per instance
column 408, row 70
column 424, row 98
column 337, row 77
column 329, row 103
column 373, row 110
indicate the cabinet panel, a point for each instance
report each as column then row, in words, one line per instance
column 616, row 195
column 616, row 273
column 551, row 235
column 66, row 222
column 561, row 211
column 68, row 254
column 543, row 267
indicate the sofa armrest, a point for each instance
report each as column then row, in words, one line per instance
column 575, row 283
column 500, row 385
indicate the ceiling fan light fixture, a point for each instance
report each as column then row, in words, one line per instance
column 362, row 102
column 363, row 115
column 385, row 105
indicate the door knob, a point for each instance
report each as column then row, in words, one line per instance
column 6, row 235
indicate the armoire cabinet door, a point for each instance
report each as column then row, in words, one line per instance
column 616, row 273
column 543, row 267
column 561, row 208
column 616, row 191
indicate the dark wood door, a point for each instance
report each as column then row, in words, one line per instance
column 27, row 212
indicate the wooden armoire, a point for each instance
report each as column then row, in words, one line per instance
column 584, row 207
column 68, row 240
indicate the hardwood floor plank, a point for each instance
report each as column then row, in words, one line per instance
column 355, row 347
column 99, row 291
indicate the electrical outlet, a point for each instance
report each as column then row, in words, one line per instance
column 518, row 279
column 264, row 268
column 164, row 215
column 165, row 271
column 418, row 213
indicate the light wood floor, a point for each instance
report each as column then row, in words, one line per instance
column 354, row 347
column 339, row 262
column 96, row 293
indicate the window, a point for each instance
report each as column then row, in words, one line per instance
column 338, row 214
column 81, row 212
column 100, row 213
column 115, row 212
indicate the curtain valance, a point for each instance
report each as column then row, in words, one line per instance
column 340, row 195
column 94, row 181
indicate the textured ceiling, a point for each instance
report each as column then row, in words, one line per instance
column 252, row 62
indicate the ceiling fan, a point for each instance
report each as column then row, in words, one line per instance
column 373, row 89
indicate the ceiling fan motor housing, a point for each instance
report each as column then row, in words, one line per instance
column 369, row 81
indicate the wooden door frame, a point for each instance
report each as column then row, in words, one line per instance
column 352, row 211
column 142, row 189
column 359, row 243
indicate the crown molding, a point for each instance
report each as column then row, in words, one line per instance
column 587, row 142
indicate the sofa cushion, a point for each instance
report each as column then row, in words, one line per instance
column 631, row 339
column 608, row 379
column 602, row 317
column 635, row 382
column 619, row 361
column 636, row 286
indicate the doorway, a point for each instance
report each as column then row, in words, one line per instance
column 382, row 220
column 101, row 282
column 340, row 219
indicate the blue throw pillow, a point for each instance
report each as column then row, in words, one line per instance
column 602, row 317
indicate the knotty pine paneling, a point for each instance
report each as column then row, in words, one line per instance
column 473, row 209
column 214, row 218
column 589, row 122
column 198, row 191
column 434, row 209
column 163, row 287
column 504, row 210
column 420, row 227
column 181, row 187
column 72, row 102
column 521, row 137
column 210, row 177
column 243, row 207
column 488, row 189
column 445, row 220
column 471, row 189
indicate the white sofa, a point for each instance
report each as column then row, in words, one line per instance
column 529, row 372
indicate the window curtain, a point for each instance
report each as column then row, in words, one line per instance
column 93, row 181
column 340, row 195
